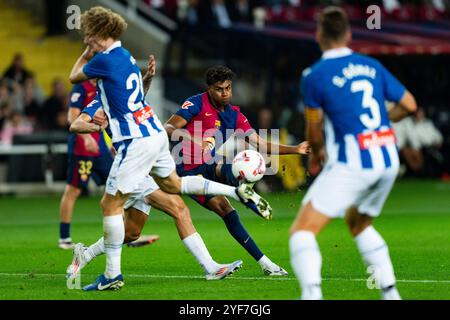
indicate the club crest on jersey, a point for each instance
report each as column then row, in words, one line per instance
column 217, row 124
column 186, row 105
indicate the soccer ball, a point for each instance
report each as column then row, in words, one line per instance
column 248, row 166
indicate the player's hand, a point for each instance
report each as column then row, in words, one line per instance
column 304, row 148
column 151, row 67
column 88, row 53
column 315, row 163
column 100, row 118
column 208, row 144
column 90, row 144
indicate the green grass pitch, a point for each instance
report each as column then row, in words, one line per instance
column 415, row 223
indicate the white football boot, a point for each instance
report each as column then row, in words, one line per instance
column 224, row 270
column 254, row 201
column 273, row 270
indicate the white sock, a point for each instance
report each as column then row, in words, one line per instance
column 95, row 250
column 200, row 186
column 375, row 253
column 264, row 261
column 307, row 263
column 114, row 233
column 197, row 247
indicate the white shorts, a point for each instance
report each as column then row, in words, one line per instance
column 135, row 159
column 137, row 197
column 338, row 188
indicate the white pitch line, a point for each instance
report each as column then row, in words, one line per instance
column 155, row 276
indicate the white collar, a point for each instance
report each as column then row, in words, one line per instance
column 116, row 44
column 336, row 53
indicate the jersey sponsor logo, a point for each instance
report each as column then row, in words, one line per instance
column 92, row 103
column 143, row 114
column 75, row 96
column 376, row 138
column 186, row 105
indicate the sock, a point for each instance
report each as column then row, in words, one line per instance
column 95, row 250
column 241, row 235
column 196, row 185
column 64, row 230
column 197, row 247
column 264, row 261
column 307, row 263
column 114, row 233
column 375, row 253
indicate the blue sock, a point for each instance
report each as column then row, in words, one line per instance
column 241, row 235
column 64, row 230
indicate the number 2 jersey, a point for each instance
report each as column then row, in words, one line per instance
column 120, row 90
column 351, row 89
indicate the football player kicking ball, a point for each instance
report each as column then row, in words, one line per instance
column 137, row 209
column 141, row 144
column 346, row 92
column 204, row 116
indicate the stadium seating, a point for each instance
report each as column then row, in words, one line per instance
column 48, row 57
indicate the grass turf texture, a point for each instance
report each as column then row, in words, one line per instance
column 415, row 223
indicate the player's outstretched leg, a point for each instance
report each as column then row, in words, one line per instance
column 374, row 252
column 306, row 259
column 197, row 185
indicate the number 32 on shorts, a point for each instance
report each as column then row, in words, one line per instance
column 85, row 167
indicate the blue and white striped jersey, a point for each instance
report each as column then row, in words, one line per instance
column 352, row 89
column 120, row 89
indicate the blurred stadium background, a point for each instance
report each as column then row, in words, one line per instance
column 267, row 42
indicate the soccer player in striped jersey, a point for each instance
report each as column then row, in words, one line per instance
column 140, row 141
column 344, row 93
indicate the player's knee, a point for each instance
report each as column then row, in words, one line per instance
column 72, row 192
column 172, row 186
column 357, row 222
column 222, row 208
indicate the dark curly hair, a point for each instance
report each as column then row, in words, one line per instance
column 218, row 74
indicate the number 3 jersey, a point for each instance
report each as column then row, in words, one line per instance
column 351, row 89
column 120, row 90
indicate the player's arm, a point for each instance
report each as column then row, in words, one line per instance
column 274, row 148
column 82, row 124
column 148, row 76
column 314, row 134
column 174, row 129
column 77, row 75
column 403, row 108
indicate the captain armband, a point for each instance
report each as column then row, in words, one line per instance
column 313, row 115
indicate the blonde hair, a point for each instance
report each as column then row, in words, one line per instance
column 102, row 23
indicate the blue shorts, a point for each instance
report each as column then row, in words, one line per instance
column 208, row 171
column 81, row 168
